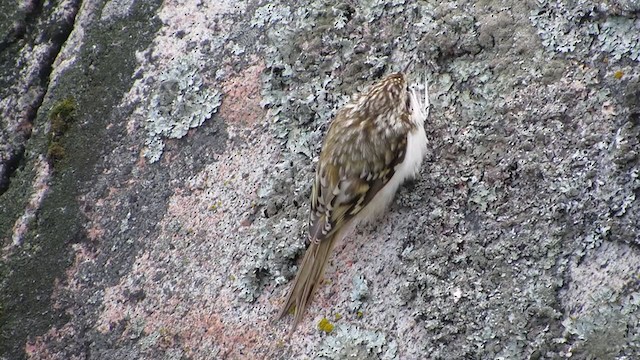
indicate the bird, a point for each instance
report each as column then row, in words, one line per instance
column 374, row 143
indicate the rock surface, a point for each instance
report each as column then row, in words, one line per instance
column 156, row 161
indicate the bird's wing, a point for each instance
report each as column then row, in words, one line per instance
column 341, row 191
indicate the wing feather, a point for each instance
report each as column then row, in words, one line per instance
column 340, row 191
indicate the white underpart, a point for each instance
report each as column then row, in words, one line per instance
column 410, row 167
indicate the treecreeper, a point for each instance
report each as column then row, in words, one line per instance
column 375, row 142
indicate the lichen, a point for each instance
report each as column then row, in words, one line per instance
column 350, row 342
column 610, row 329
column 268, row 257
column 180, row 100
column 270, row 14
column 278, row 230
column 618, row 36
column 325, row 325
column 359, row 292
column 304, row 83
column 579, row 27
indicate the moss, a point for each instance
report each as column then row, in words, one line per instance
column 325, row 325
column 61, row 116
column 55, row 151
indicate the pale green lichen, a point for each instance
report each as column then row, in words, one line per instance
column 609, row 330
column 579, row 27
column 269, row 14
column 279, row 229
column 350, row 342
column 116, row 9
column 267, row 258
column 359, row 292
column 619, row 37
column 179, row 101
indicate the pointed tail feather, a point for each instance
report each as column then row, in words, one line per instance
column 307, row 279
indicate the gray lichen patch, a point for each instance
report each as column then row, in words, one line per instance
column 278, row 228
column 586, row 27
column 179, row 101
column 116, row 9
column 268, row 257
column 350, row 342
column 602, row 303
column 609, row 329
column 359, row 293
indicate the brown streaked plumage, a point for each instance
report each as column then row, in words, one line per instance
column 374, row 143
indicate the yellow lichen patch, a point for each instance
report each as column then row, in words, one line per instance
column 215, row 206
column 163, row 331
column 325, row 325
column 618, row 74
column 359, row 314
column 338, row 316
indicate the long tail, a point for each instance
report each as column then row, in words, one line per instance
column 307, row 279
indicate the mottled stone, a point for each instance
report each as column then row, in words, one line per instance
column 519, row 239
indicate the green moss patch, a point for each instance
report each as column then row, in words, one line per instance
column 61, row 117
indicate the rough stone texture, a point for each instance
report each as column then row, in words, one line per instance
column 167, row 219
